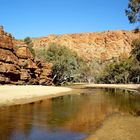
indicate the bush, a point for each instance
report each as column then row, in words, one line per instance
column 31, row 50
column 66, row 63
column 136, row 49
column 29, row 44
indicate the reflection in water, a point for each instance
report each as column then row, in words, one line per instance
column 69, row 117
column 126, row 101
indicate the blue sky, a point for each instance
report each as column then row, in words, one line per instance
column 36, row 18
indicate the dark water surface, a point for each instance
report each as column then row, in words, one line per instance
column 70, row 117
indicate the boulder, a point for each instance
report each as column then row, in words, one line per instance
column 47, row 81
column 23, row 53
column 4, row 79
column 24, row 74
column 33, row 81
column 5, row 40
column 27, row 64
column 8, row 57
column 44, row 73
column 31, row 64
column 9, row 68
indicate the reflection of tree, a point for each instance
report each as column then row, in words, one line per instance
column 80, row 113
column 91, row 114
column 16, row 119
column 63, row 109
column 74, row 112
column 5, row 131
column 126, row 101
column 24, row 119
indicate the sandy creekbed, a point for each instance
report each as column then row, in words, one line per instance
column 118, row 128
column 11, row 95
column 120, row 86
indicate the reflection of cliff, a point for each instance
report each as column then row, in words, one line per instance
column 15, row 120
column 76, row 113
column 56, row 112
column 91, row 114
column 21, row 119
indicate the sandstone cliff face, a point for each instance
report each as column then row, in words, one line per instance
column 17, row 65
column 101, row 46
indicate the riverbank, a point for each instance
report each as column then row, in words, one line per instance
column 13, row 95
column 118, row 128
column 119, row 86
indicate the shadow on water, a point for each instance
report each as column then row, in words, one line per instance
column 70, row 117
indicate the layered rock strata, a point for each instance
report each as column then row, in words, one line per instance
column 17, row 65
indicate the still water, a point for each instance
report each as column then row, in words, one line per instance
column 69, row 117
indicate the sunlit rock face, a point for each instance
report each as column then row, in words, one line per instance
column 17, row 64
column 23, row 52
column 99, row 45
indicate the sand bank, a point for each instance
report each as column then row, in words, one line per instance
column 118, row 128
column 12, row 95
column 121, row 86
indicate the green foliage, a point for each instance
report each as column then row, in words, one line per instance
column 28, row 40
column 31, row 50
column 133, row 11
column 136, row 49
column 66, row 63
column 68, row 67
column 29, row 44
column 135, row 70
column 117, row 72
column 126, row 70
column 41, row 54
column 90, row 71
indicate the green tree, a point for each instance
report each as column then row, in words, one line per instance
column 28, row 41
column 66, row 63
column 135, row 54
column 117, row 72
column 133, row 11
column 41, row 54
column 136, row 49
column 134, row 73
column 86, row 73
column 90, row 71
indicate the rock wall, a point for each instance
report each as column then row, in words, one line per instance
column 17, row 65
column 100, row 45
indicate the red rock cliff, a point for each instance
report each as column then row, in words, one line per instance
column 17, row 65
column 101, row 46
